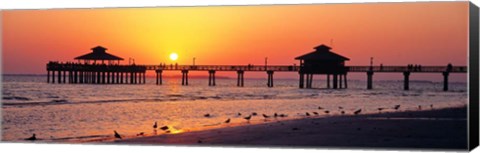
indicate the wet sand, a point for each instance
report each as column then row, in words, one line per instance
column 426, row 129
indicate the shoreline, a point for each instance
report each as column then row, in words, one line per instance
column 426, row 129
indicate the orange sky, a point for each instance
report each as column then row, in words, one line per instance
column 393, row 33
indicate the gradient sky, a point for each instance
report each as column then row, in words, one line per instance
column 433, row 33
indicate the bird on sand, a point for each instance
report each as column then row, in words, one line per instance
column 155, row 125
column 396, row 107
column 316, row 113
column 275, row 115
column 32, row 138
column 228, row 120
column 419, row 107
column 239, row 114
column 307, row 114
column 206, row 115
column 248, row 118
column 283, row 115
column 326, row 112
column 117, row 135
column 380, row 109
column 254, row 113
column 431, row 106
column 164, row 128
column 357, row 112
column 340, row 107
column 265, row 116
column 141, row 134
column 320, row 107
column 343, row 112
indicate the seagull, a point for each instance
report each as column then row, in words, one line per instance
column 326, row 112
column 164, row 128
column 265, row 116
column 307, row 114
column 117, row 135
column 357, row 112
column 419, row 107
column 254, row 113
column 320, row 107
column 141, row 134
column 248, row 118
column 343, row 112
column 228, row 120
column 396, row 107
column 431, row 106
column 316, row 113
column 33, row 138
column 275, row 115
column 283, row 115
column 239, row 114
column 207, row 115
column 155, row 125
column 340, row 107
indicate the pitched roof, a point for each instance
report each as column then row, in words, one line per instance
column 99, row 53
column 322, row 52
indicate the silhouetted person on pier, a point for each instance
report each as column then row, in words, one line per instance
column 449, row 67
column 176, row 65
column 419, row 67
column 381, row 67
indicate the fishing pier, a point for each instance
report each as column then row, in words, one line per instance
column 100, row 67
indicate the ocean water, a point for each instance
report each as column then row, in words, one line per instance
column 79, row 113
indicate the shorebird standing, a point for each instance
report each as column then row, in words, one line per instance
column 320, row 107
column 206, row 115
column 117, row 135
column 164, row 128
column 340, row 107
column 32, row 138
column 357, row 112
column 307, row 114
column 396, row 107
column 380, row 109
column 228, row 120
column 155, row 125
column 419, row 107
column 254, row 113
column 275, row 115
column 239, row 114
column 316, row 113
column 265, row 116
column 326, row 112
column 431, row 106
column 343, row 112
column 248, row 118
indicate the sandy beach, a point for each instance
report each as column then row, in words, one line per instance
column 423, row 129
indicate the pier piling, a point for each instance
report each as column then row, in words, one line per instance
column 369, row 79
column 406, row 80
column 445, row 81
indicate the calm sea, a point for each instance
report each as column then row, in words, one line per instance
column 74, row 112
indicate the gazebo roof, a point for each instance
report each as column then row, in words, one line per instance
column 322, row 52
column 98, row 53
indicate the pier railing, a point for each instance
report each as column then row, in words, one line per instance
column 293, row 68
column 285, row 68
column 54, row 66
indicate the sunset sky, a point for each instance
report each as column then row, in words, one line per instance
column 392, row 33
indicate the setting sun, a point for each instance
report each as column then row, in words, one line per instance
column 173, row 56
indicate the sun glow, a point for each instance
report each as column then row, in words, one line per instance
column 173, row 56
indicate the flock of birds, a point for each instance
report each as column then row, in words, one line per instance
column 249, row 117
